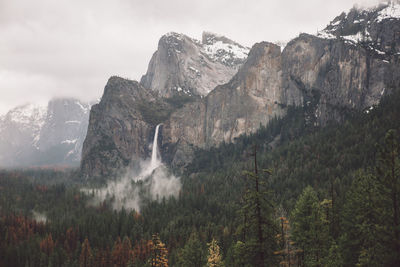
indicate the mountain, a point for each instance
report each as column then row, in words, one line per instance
column 183, row 65
column 326, row 73
column 32, row 135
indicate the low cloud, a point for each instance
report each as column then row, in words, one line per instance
column 70, row 48
column 137, row 186
column 39, row 217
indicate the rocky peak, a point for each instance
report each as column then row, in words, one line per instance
column 374, row 28
column 221, row 49
column 118, row 88
column 185, row 66
column 175, row 43
column 210, row 38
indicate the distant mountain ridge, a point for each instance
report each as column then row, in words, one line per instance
column 34, row 135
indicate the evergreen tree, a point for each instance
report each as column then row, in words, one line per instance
column 388, row 174
column 310, row 230
column 258, row 229
column 192, row 254
column 334, row 257
column 363, row 217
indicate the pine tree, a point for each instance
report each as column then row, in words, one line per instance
column 363, row 217
column 192, row 254
column 334, row 258
column 259, row 227
column 310, row 230
column 388, row 174
column 214, row 258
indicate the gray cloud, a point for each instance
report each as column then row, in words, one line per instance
column 70, row 48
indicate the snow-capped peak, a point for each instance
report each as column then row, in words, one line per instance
column 356, row 26
column 216, row 47
column 391, row 11
column 174, row 35
column 219, row 48
column 28, row 114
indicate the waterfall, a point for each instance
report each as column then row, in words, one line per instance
column 155, row 162
column 157, row 183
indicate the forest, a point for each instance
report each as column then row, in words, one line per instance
column 291, row 194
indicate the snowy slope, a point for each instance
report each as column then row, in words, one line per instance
column 32, row 135
column 184, row 65
column 359, row 23
column 221, row 49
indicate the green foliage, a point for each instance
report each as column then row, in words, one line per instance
column 240, row 255
column 334, row 257
column 259, row 228
column 352, row 200
column 370, row 214
column 310, row 230
column 193, row 253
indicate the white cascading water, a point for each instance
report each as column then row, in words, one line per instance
column 155, row 162
column 156, row 181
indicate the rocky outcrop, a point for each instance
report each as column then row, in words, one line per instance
column 352, row 63
column 182, row 65
column 332, row 75
column 251, row 98
column 121, row 127
column 32, row 135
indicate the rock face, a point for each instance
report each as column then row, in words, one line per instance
column 353, row 66
column 251, row 98
column 33, row 135
column 182, row 65
column 121, row 127
column 328, row 73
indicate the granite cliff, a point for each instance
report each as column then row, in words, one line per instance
column 329, row 72
column 121, row 127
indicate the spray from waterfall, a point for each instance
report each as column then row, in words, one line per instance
column 152, row 181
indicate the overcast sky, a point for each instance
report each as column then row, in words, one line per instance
column 53, row 48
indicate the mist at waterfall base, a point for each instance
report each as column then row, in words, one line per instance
column 152, row 181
